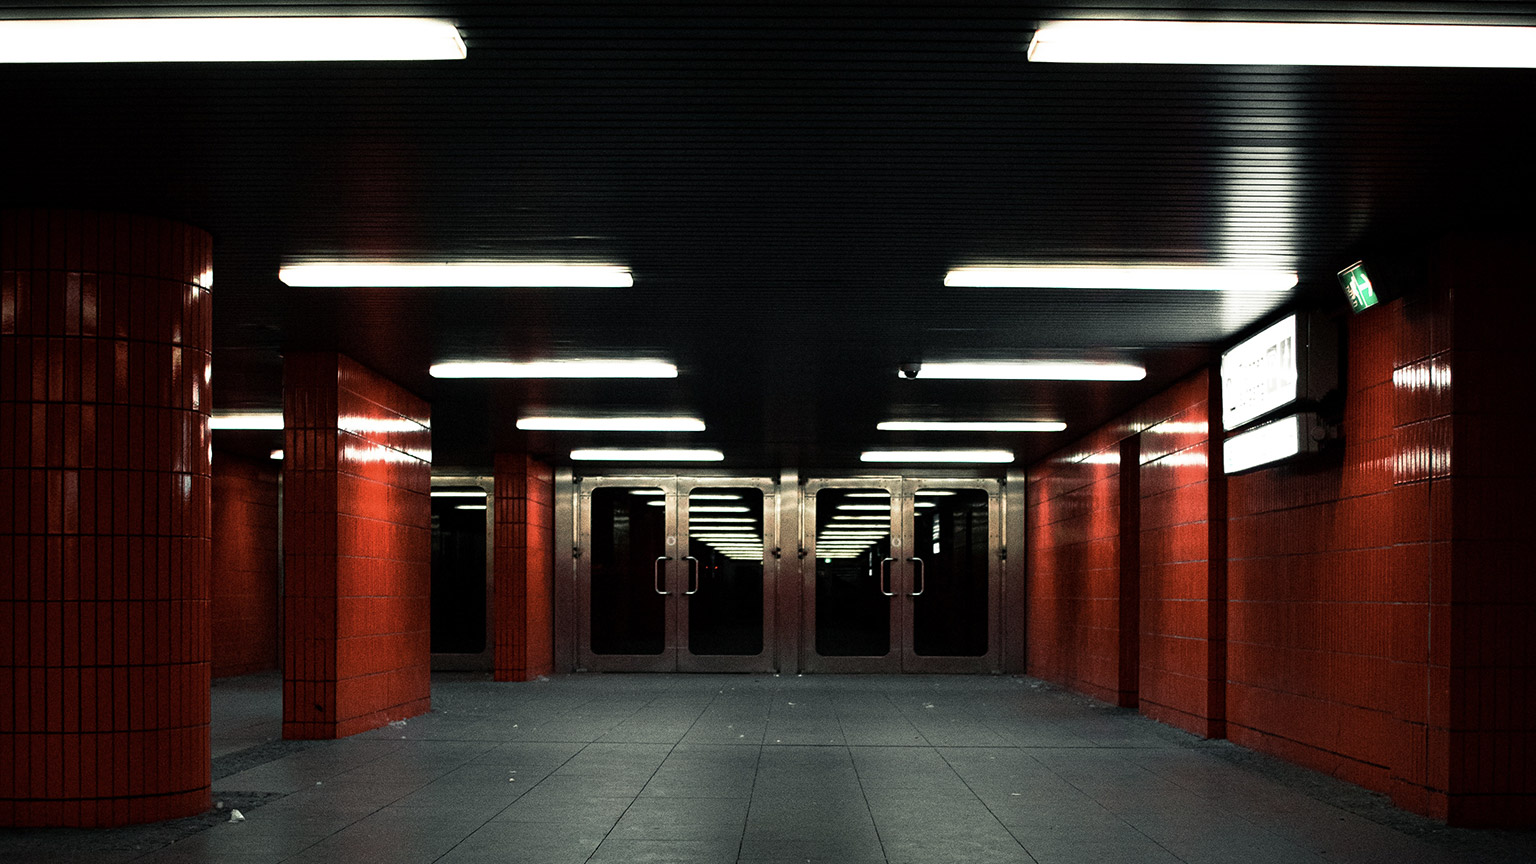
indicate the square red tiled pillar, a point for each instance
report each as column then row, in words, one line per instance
column 524, row 567
column 357, row 533
column 104, row 490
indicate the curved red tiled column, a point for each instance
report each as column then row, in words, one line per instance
column 104, row 518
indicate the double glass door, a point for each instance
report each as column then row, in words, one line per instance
column 674, row 574
column 906, row 575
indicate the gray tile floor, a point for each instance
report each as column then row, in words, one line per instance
column 632, row 768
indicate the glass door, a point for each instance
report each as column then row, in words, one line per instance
column 906, row 575
column 674, row 574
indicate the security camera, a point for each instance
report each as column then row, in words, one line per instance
column 910, row 370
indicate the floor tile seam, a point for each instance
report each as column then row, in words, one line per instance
column 1117, row 817
column 520, row 795
column 863, row 793
column 757, row 770
column 983, row 802
column 344, row 827
column 670, row 751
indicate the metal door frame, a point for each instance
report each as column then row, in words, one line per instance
column 672, row 574
column 991, row 661
column 666, row 661
column 763, row 661
column 810, row 661
column 903, row 657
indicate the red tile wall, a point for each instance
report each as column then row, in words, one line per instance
column 1073, row 632
column 1489, row 719
column 104, row 518
column 524, row 564
column 244, row 568
column 1318, row 586
column 357, row 534
column 1183, row 559
column 1367, row 613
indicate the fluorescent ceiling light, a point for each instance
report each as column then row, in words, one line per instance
column 713, row 520
column 716, row 508
column 556, row 369
column 646, row 492
column 454, row 493
column 276, row 454
column 968, row 426
column 712, row 497
column 883, row 508
column 840, row 517
column 445, row 275
column 868, row 495
column 470, row 507
column 222, row 40
column 1134, row 277
column 1000, row 456
column 934, row 493
column 647, row 455
column 263, row 420
column 1276, row 44
column 1029, row 370
column 611, row 424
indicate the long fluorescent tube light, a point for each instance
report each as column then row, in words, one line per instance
column 611, row 424
column 966, row 426
column 222, row 40
column 457, row 494
column 446, row 275
column 556, row 369
column 470, row 507
column 1279, row 44
column 1144, row 277
column 999, row 456
column 1031, row 371
column 264, row 420
column 648, row 455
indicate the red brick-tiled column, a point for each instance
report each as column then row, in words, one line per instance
column 524, row 567
column 357, row 537
column 244, row 569
column 104, row 518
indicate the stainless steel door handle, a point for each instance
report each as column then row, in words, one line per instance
column 693, row 574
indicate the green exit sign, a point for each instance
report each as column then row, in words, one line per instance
column 1358, row 286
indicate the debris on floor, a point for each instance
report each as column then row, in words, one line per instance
column 236, row 816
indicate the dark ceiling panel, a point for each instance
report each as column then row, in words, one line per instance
column 789, row 183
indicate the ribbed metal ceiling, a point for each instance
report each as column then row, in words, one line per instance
column 789, row 184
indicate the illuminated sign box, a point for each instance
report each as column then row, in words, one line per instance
column 1293, row 359
column 1270, row 442
column 1357, row 284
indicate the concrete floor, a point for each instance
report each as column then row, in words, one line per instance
column 633, row 768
